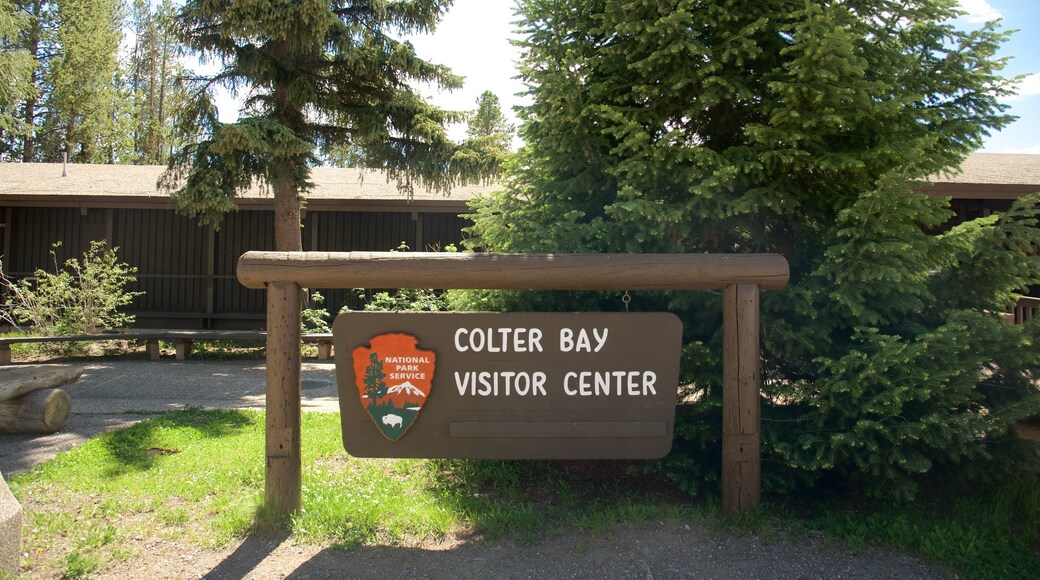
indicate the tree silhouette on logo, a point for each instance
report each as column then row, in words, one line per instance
column 375, row 387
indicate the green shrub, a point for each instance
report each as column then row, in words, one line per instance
column 83, row 297
column 404, row 299
column 315, row 318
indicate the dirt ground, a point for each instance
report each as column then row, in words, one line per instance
column 655, row 551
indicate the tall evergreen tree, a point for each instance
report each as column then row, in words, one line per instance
column 16, row 69
column 319, row 74
column 86, row 106
column 39, row 19
column 488, row 121
column 153, row 80
column 798, row 128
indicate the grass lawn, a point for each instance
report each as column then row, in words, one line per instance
column 197, row 476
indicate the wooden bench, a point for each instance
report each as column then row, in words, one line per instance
column 182, row 340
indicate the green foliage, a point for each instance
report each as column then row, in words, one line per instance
column 86, row 105
column 82, row 97
column 83, row 297
column 404, row 299
column 488, row 121
column 17, row 66
column 324, row 80
column 798, row 129
column 153, row 74
column 316, row 318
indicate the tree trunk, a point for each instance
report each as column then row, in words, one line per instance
column 43, row 411
column 287, row 235
column 16, row 381
column 29, row 143
column 160, row 125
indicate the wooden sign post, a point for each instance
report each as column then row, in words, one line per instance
column 739, row 276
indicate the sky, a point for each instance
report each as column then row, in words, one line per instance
column 1022, row 136
column 473, row 39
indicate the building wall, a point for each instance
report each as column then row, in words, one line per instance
column 187, row 271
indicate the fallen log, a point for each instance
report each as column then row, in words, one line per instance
column 18, row 380
column 41, row 411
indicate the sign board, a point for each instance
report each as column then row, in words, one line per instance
column 507, row 386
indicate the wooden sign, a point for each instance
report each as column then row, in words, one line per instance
column 507, row 386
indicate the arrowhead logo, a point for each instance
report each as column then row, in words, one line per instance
column 394, row 377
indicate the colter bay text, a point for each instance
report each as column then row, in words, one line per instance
column 574, row 383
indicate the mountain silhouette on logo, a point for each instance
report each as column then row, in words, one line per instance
column 404, row 394
column 406, row 389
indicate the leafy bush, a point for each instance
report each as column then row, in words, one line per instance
column 316, row 318
column 404, row 299
column 83, row 297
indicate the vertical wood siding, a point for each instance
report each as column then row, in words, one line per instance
column 441, row 229
column 174, row 255
column 356, row 231
column 169, row 252
column 240, row 232
column 34, row 230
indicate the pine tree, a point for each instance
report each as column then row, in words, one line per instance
column 86, row 107
column 153, row 73
column 375, row 386
column 797, row 128
column 320, row 75
column 16, row 68
column 36, row 38
column 488, row 121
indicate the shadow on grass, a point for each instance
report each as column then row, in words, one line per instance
column 530, row 500
column 136, row 448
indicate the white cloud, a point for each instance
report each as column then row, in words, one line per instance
column 1027, row 87
column 979, row 11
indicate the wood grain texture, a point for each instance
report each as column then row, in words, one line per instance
column 741, row 424
column 42, row 411
column 517, row 271
column 23, row 379
column 283, row 476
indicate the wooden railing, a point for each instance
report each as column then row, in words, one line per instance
column 1027, row 308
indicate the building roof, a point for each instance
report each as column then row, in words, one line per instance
column 981, row 176
column 989, row 176
column 996, row 169
column 136, row 185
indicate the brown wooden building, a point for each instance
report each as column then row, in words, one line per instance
column 987, row 183
column 187, row 271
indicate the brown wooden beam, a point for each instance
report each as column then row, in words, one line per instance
column 520, row 271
